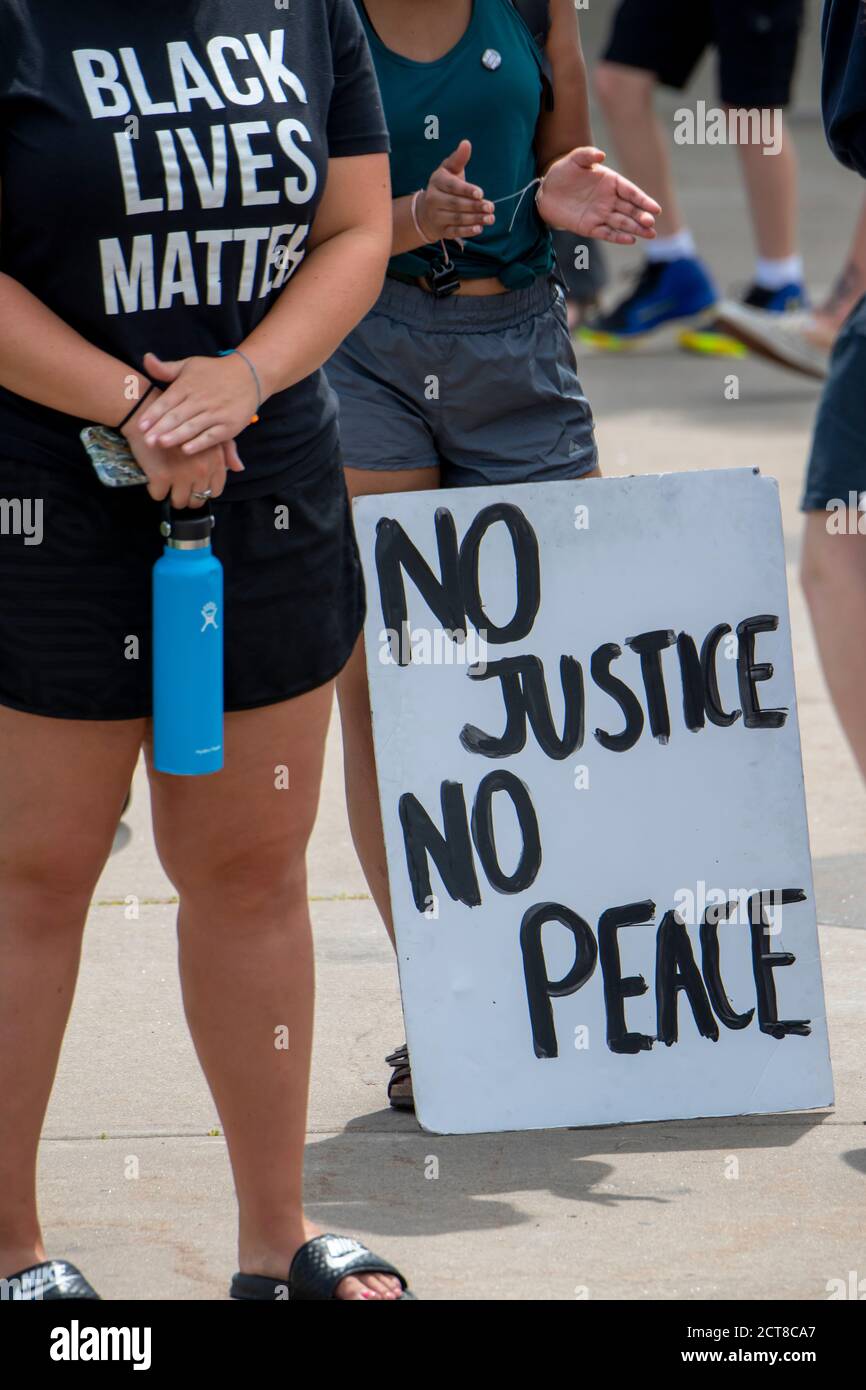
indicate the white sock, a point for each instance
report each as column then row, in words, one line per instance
column 774, row 275
column 672, row 248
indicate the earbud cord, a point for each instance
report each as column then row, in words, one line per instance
column 520, row 195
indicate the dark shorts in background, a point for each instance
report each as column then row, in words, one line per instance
column 484, row 388
column 757, row 43
column 837, row 463
column 294, row 600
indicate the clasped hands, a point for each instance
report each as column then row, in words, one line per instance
column 183, row 437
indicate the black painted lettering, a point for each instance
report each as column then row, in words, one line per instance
column 676, row 969
column 451, row 852
column 711, row 967
column 483, row 835
column 396, row 554
column 616, row 988
column 692, row 677
column 513, row 738
column 527, row 573
column 628, row 702
column 715, row 711
column 765, row 961
column 540, row 989
column 649, row 647
column 524, row 692
column 749, row 672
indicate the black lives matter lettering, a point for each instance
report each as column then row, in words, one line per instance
column 459, row 839
column 249, row 163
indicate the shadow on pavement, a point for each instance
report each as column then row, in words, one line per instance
column 477, row 1174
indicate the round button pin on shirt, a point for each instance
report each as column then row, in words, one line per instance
column 491, row 59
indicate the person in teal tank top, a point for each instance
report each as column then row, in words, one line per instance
column 430, row 108
column 484, row 100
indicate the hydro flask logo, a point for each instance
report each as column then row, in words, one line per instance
column 209, row 613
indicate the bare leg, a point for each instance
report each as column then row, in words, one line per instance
column 235, row 845
column 847, row 290
column 627, row 96
column 362, row 794
column 834, row 579
column 771, row 183
column 62, row 785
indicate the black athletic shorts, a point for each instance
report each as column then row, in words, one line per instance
column 75, row 587
column 757, row 43
column 837, row 462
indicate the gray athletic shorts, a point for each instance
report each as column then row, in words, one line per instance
column 484, row 388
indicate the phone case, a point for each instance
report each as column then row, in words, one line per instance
column 111, row 457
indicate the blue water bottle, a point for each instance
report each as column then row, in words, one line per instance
column 188, row 648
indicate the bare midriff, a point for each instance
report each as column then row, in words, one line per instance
column 474, row 288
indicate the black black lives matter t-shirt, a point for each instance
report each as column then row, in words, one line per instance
column 161, row 166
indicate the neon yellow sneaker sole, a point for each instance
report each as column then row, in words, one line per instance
column 665, row 336
column 603, row 342
column 711, row 344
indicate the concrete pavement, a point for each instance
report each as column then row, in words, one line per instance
column 135, row 1180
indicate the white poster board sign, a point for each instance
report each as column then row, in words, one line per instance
column 593, row 806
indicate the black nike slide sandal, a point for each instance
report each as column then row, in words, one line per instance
column 52, row 1279
column 398, row 1060
column 317, row 1270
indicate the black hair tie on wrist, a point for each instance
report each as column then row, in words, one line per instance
column 141, row 400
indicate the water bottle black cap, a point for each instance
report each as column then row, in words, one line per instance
column 188, row 524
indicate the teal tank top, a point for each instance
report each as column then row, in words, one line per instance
column 467, row 95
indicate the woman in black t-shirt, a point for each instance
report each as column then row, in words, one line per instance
column 163, row 172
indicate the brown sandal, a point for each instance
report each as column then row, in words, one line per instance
column 399, row 1060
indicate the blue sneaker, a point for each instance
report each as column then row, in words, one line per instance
column 788, row 300
column 668, row 294
column 736, row 317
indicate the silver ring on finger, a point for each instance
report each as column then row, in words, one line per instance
column 203, row 496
